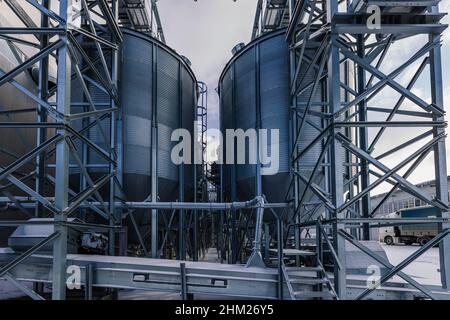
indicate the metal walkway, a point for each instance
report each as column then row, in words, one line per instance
column 136, row 15
column 204, row 278
column 156, row 275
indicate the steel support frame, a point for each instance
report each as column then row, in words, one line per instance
column 268, row 11
column 201, row 172
column 141, row 15
column 345, row 196
column 56, row 109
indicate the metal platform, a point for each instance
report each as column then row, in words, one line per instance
column 196, row 278
column 156, row 275
column 142, row 16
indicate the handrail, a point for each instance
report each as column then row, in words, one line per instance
column 333, row 252
column 324, row 274
column 286, row 277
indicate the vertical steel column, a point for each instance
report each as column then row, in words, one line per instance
column 41, row 133
column 356, row 232
column 154, row 159
column 440, row 161
column 62, row 160
column 222, row 186
column 258, row 122
column 256, row 258
column 294, row 131
column 337, row 183
column 319, row 248
column 85, row 148
column 85, row 160
column 233, row 236
column 183, row 282
column 363, row 139
column 181, row 213
column 266, row 243
column 42, row 113
column 89, row 270
column 280, row 243
column 115, row 217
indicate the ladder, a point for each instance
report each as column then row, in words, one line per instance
column 309, row 283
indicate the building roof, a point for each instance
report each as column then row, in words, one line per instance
column 429, row 183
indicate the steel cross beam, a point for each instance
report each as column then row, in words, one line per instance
column 270, row 15
column 387, row 264
column 406, row 262
column 391, row 172
column 349, row 163
column 29, row 292
column 12, row 264
column 62, row 47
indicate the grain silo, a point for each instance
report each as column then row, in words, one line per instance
column 158, row 94
column 255, row 94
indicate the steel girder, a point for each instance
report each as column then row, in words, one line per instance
column 353, row 164
column 270, row 15
column 141, row 15
column 59, row 44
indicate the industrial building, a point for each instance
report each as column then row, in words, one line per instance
column 401, row 199
column 93, row 204
column 385, row 204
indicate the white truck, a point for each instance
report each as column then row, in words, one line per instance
column 409, row 234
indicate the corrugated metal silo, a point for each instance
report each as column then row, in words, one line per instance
column 170, row 92
column 255, row 93
column 154, row 81
column 14, row 143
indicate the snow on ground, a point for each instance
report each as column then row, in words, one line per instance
column 424, row 269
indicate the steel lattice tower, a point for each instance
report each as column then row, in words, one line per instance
column 81, row 39
column 340, row 35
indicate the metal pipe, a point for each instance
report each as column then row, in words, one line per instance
column 280, row 257
column 255, row 259
column 213, row 206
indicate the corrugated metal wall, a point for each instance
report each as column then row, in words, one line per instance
column 171, row 92
column 261, row 68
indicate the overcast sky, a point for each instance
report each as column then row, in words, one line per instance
column 206, row 31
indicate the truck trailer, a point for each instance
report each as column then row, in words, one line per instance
column 409, row 234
